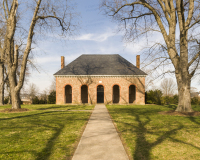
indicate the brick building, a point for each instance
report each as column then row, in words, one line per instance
column 100, row 79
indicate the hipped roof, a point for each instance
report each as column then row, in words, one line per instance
column 98, row 64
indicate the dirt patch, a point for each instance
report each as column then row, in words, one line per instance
column 15, row 110
column 175, row 113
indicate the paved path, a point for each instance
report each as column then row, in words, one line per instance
column 100, row 140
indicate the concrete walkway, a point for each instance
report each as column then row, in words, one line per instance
column 100, row 140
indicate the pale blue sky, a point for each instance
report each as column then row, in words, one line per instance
column 97, row 35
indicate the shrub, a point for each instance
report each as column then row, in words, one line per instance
column 153, row 97
column 52, row 97
column 43, row 101
column 35, row 100
column 195, row 100
column 170, row 100
column 6, row 99
column 175, row 99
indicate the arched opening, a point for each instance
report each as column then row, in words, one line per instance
column 84, row 94
column 68, row 94
column 100, row 94
column 115, row 94
column 132, row 93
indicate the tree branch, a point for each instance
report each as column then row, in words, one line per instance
column 155, row 13
column 193, row 24
column 165, row 9
column 28, row 46
column 6, row 9
column 193, row 59
column 55, row 17
column 190, row 13
column 194, row 70
column 145, row 14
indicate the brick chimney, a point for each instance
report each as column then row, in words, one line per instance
column 138, row 61
column 62, row 62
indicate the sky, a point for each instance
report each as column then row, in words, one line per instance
column 97, row 34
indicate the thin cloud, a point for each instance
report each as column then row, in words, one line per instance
column 96, row 37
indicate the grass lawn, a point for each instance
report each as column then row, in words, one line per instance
column 149, row 135
column 44, row 132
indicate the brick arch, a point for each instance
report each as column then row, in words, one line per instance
column 87, row 92
column 130, row 100
column 119, row 92
column 103, row 92
column 64, row 93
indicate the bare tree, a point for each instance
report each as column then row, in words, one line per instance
column 168, row 86
column 170, row 18
column 44, row 96
column 1, row 84
column 47, row 15
column 32, row 90
column 2, row 34
column 149, row 80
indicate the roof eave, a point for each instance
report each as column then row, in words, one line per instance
column 100, row 75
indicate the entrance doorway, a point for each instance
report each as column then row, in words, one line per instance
column 132, row 94
column 68, row 94
column 115, row 94
column 84, row 94
column 100, row 94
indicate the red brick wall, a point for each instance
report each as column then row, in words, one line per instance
column 107, row 82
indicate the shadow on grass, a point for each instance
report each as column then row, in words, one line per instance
column 47, row 151
column 62, row 107
column 171, row 106
column 194, row 119
column 45, row 121
column 143, row 146
column 28, row 115
column 174, row 106
column 49, row 108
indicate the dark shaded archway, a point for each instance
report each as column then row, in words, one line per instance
column 84, row 94
column 100, row 94
column 116, row 92
column 68, row 94
column 132, row 94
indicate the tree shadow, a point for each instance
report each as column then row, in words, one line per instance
column 47, row 151
column 194, row 119
column 143, row 146
column 55, row 126
column 24, row 116
column 171, row 106
column 49, row 108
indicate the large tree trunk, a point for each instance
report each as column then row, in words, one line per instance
column 184, row 103
column 1, row 83
column 14, row 90
column 181, row 70
column 15, row 99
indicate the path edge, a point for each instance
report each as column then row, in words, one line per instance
column 121, row 138
column 79, row 137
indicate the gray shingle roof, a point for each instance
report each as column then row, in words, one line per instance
column 98, row 64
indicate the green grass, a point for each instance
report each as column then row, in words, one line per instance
column 44, row 132
column 149, row 135
column 52, row 107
